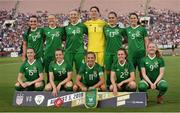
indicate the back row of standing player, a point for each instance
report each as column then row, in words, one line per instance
column 104, row 39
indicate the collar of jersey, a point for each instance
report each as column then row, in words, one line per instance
column 60, row 63
column 90, row 67
column 122, row 64
column 151, row 57
column 112, row 26
column 34, row 29
column 75, row 23
column 52, row 27
column 135, row 27
column 32, row 62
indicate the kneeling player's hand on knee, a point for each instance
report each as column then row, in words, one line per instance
column 84, row 88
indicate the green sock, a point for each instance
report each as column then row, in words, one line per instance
column 108, row 81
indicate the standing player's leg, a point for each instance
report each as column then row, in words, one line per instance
column 100, row 58
column 68, row 57
column 108, row 62
column 79, row 60
column 47, row 61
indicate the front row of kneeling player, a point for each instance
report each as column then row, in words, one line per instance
column 91, row 74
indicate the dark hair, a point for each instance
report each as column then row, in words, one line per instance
column 33, row 51
column 124, row 50
column 30, row 48
column 59, row 50
column 90, row 52
column 112, row 12
column 29, row 29
column 136, row 17
column 55, row 53
column 95, row 8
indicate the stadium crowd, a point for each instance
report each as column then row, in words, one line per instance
column 164, row 28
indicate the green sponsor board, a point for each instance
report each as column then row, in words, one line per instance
column 91, row 98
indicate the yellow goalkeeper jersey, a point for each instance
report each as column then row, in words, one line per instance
column 96, row 39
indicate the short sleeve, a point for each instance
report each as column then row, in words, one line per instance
column 51, row 67
column 21, row 70
column 82, row 70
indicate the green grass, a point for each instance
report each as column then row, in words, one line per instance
column 9, row 69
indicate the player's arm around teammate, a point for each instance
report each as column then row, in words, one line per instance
column 32, row 70
column 60, row 74
column 152, row 68
column 90, row 75
column 123, row 71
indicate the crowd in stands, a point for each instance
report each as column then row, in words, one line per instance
column 164, row 28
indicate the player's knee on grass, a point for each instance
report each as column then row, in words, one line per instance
column 48, row 87
column 162, row 86
column 132, row 86
column 111, row 88
column 69, row 86
column 142, row 86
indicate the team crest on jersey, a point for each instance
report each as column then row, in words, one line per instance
column 95, row 73
column 35, row 69
column 19, row 98
column 63, row 71
column 57, row 33
column 78, row 30
column 156, row 64
column 116, row 31
column 126, row 71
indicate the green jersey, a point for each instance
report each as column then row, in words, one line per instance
column 122, row 71
column 35, row 40
column 91, row 75
column 32, row 70
column 136, row 43
column 54, row 37
column 75, row 37
column 59, row 70
column 114, row 37
column 152, row 67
